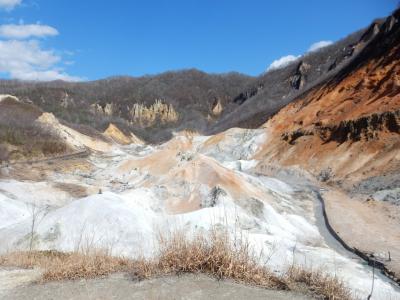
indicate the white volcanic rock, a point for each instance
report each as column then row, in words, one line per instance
column 74, row 138
column 4, row 96
column 192, row 183
column 11, row 211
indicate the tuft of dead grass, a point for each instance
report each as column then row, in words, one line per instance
column 68, row 266
column 317, row 282
column 213, row 254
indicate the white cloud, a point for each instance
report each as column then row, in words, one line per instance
column 319, row 45
column 23, row 57
column 22, row 31
column 286, row 60
column 26, row 60
column 282, row 62
column 48, row 75
column 9, row 4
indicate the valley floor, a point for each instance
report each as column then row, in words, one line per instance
column 122, row 199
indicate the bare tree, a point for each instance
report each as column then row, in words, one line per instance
column 37, row 214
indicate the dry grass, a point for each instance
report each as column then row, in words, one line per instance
column 67, row 266
column 214, row 255
column 317, row 282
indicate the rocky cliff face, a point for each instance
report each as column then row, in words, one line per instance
column 106, row 110
column 248, row 93
column 349, row 123
column 217, row 108
column 147, row 116
column 299, row 78
column 365, row 128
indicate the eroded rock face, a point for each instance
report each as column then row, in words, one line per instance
column 217, row 108
column 298, row 80
column 253, row 91
column 67, row 101
column 157, row 112
column 367, row 128
column 96, row 108
column 107, row 110
column 120, row 137
column 372, row 30
column 5, row 97
column 143, row 115
column 291, row 137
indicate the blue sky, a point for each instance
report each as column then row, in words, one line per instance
column 87, row 39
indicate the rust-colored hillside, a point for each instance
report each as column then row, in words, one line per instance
column 351, row 123
column 346, row 132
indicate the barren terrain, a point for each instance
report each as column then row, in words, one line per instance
column 121, row 198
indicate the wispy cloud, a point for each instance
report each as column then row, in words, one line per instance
column 26, row 60
column 319, row 45
column 9, row 4
column 22, row 55
column 288, row 59
column 22, row 31
column 282, row 62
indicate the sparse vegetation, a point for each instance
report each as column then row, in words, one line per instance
column 68, row 266
column 212, row 254
column 20, row 138
column 215, row 255
column 25, row 143
column 190, row 94
column 319, row 283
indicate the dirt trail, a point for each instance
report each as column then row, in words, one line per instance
column 119, row 286
column 372, row 227
column 355, row 228
column 11, row 279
